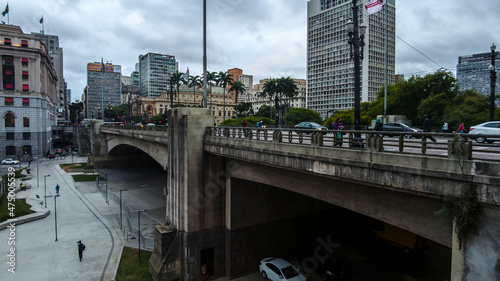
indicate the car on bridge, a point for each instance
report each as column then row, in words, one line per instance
column 9, row 161
column 278, row 269
column 311, row 126
column 487, row 128
column 401, row 127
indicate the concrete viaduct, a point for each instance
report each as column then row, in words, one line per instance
column 221, row 202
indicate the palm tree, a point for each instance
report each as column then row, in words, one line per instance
column 238, row 88
column 269, row 89
column 176, row 80
column 194, row 82
column 224, row 80
column 211, row 79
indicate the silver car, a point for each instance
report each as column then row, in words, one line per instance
column 278, row 269
column 488, row 128
column 9, row 161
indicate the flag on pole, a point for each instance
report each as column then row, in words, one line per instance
column 41, row 20
column 186, row 75
column 374, row 6
column 6, row 10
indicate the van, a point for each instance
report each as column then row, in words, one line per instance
column 400, row 237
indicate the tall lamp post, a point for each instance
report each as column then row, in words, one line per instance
column 45, row 188
column 493, row 81
column 356, row 41
column 276, row 101
column 55, row 212
column 139, row 230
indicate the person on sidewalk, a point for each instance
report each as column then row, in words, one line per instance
column 57, row 189
column 81, row 248
column 427, row 127
column 461, row 128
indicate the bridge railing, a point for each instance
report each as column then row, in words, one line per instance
column 159, row 128
column 398, row 142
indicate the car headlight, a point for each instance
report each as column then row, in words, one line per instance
column 319, row 129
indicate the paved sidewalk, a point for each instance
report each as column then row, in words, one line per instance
column 39, row 257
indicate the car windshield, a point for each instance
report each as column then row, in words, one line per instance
column 289, row 272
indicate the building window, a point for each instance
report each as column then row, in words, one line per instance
column 26, row 87
column 26, row 136
column 24, row 61
column 26, row 102
column 10, row 150
column 26, row 121
column 9, row 136
column 24, row 43
column 25, row 75
column 10, row 120
column 27, row 149
column 7, row 42
column 9, row 101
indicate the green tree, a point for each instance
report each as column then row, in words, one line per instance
column 264, row 110
column 244, row 108
column 194, row 82
column 238, row 88
column 224, row 79
column 212, row 81
column 176, row 80
column 75, row 110
column 160, row 119
column 296, row 115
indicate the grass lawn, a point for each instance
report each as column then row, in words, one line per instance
column 80, row 178
column 130, row 268
column 76, row 167
column 21, row 209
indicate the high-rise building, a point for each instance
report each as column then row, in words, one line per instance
column 330, row 68
column 155, row 71
column 473, row 72
column 104, row 88
column 56, row 57
column 28, row 97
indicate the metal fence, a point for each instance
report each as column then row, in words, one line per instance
column 102, row 186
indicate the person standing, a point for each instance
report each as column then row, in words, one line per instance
column 81, row 248
column 244, row 124
column 445, row 127
column 379, row 127
column 427, row 127
column 57, row 189
column 338, row 126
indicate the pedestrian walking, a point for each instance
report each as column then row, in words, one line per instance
column 461, row 128
column 81, row 248
column 244, row 124
column 445, row 127
column 57, row 189
column 379, row 127
column 427, row 127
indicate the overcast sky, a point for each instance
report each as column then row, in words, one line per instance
column 265, row 38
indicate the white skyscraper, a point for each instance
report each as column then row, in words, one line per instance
column 330, row 69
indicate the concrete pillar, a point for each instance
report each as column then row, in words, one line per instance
column 457, row 259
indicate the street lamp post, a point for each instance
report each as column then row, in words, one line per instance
column 55, row 212
column 121, row 219
column 45, row 188
column 493, row 81
column 139, row 230
column 276, row 101
column 356, row 41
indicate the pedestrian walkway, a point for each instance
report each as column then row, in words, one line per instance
column 38, row 256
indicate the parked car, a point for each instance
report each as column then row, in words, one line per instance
column 331, row 270
column 57, row 150
column 278, row 270
column 400, row 127
column 311, row 126
column 9, row 161
column 51, row 156
column 487, row 128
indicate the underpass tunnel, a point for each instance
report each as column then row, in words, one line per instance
column 267, row 221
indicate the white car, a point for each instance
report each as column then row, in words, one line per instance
column 488, row 128
column 9, row 162
column 277, row 269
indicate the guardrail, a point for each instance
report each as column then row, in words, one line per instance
column 162, row 128
column 382, row 141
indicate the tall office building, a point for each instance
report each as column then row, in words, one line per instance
column 473, row 72
column 56, row 57
column 330, row 68
column 28, row 97
column 154, row 73
column 104, row 88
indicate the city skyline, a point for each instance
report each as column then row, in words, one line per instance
column 264, row 38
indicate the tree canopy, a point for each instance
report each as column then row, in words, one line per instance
column 296, row 115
